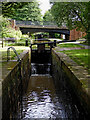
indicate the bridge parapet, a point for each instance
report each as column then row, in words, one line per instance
column 38, row 26
column 36, row 23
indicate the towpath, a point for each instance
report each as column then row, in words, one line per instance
column 73, row 48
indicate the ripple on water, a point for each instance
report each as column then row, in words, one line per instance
column 41, row 100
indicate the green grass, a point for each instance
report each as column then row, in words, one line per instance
column 81, row 57
column 16, row 44
column 19, row 50
column 69, row 45
column 84, row 43
column 12, row 54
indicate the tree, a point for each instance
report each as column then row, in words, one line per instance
column 48, row 16
column 3, row 26
column 72, row 14
column 26, row 11
column 9, row 8
column 6, row 31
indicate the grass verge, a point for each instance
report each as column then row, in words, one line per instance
column 12, row 54
column 69, row 45
column 19, row 50
column 81, row 57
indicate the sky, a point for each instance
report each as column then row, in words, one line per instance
column 44, row 5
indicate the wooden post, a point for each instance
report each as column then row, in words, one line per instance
column 2, row 42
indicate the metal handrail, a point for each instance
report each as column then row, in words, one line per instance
column 53, row 42
column 8, row 53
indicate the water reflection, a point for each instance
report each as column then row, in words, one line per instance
column 41, row 100
column 44, row 100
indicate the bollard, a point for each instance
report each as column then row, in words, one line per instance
column 26, row 42
column 55, row 43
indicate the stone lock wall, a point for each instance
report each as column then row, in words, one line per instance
column 14, row 85
column 67, row 71
column 25, row 70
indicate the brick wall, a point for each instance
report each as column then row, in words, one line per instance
column 13, row 24
column 74, row 35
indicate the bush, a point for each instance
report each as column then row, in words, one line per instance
column 16, row 44
column 12, row 33
column 3, row 25
column 23, row 38
column 7, row 31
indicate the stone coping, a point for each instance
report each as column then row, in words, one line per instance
column 79, row 71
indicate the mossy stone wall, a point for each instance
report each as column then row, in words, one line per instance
column 14, row 85
column 66, row 70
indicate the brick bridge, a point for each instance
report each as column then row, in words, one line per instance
column 33, row 27
column 51, row 28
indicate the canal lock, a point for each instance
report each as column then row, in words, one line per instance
column 48, row 95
